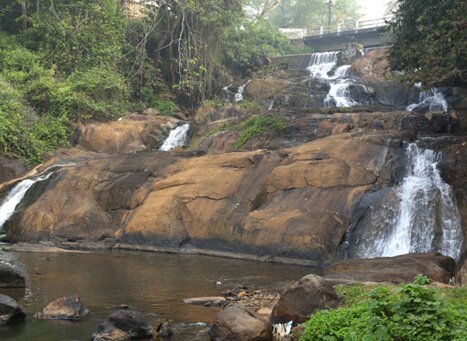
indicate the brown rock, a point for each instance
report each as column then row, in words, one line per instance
column 216, row 301
column 131, row 134
column 460, row 272
column 302, row 298
column 10, row 312
column 11, row 277
column 236, row 323
column 400, row 269
column 123, row 325
column 11, row 169
column 64, row 308
column 259, row 89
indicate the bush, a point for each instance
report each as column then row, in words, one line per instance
column 409, row 312
column 257, row 125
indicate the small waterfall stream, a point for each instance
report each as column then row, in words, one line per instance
column 12, row 200
column 324, row 66
column 432, row 99
column 426, row 218
column 177, row 138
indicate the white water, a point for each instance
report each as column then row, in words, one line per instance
column 177, row 138
column 433, row 99
column 321, row 67
column 9, row 204
column 426, row 207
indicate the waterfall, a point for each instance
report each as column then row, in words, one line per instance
column 426, row 218
column 432, row 99
column 177, row 138
column 9, row 204
column 231, row 96
column 323, row 66
column 240, row 91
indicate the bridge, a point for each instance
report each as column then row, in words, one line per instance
column 368, row 33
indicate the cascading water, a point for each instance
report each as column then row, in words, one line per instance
column 231, row 96
column 432, row 99
column 426, row 218
column 323, row 66
column 9, row 204
column 177, row 138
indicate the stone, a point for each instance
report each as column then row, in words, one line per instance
column 264, row 311
column 11, row 277
column 304, row 297
column 400, row 269
column 10, row 311
column 460, row 272
column 123, row 325
column 236, row 323
column 11, row 169
column 162, row 329
column 216, row 301
column 64, row 308
column 260, row 89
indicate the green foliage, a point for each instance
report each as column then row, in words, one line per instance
column 408, row 312
column 165, row 106
column 257, row 125
column 421, row 280
column 430, row 45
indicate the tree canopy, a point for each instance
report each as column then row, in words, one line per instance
column 430, row 41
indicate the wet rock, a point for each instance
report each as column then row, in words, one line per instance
column 162, row 329
column 304, row 297
column 400, row 269
column 260, row 89
column 206, row 301
column 11, row 277
column 236, row 323
column 10, row 311
column 11, row 169
column 64, row 308
column 460, row 272
column 123, row 325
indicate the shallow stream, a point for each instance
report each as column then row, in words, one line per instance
column 148, row 282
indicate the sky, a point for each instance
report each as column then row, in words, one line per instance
column 373, row 9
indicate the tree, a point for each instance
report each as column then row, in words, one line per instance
column 430, row 43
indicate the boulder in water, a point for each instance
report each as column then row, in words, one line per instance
column 304, row 297
column 123, row 325
column 64, row 308
column 10, row 311
column 11, row 277
column 400, row 269
column 236, row 323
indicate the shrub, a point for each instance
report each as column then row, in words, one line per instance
column 257, row 125
column 409, row 312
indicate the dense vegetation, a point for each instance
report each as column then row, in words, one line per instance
column 430, row 41
column 408, row 312
column 66, row 61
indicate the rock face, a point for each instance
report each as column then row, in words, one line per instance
column 10, row 312
column 304, row 297
column 297, row 202
column 400, row 269
column 123, row 325
column 260, row 89
column 131, row 134
column 11, row 169
column 236, row 323
column 65, row 308
column 11, row 277
column 461, row 270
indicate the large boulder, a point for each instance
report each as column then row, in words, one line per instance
column 123, row 325
column 400, row 269
column 10, row 311
column 11, row 277
column 131, row 134
column 64, row 308
column 260, row 89
column 304, row 297
column 236, row 323
column 11, row 169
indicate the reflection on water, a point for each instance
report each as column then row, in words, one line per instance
column 149, row 282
